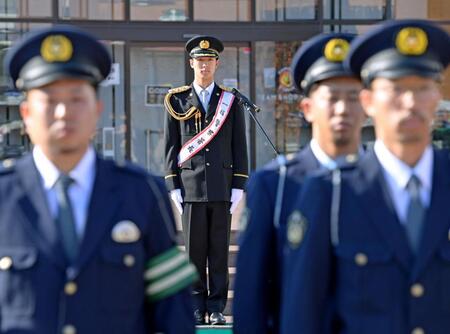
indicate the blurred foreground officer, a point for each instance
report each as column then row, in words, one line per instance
column 86, row 246
column 331, row 104
column 373, row 251
column 206, row 170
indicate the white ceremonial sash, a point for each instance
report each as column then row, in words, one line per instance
column 197, row 143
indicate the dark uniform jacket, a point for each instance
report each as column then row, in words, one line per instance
column 221, row 165
column 369, row 281
column 259, row 262
column 104, row 291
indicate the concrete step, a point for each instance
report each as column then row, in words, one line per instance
column 207, row 329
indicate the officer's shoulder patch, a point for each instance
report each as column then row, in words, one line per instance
column 179, row 89
column 225, row 88
column 167, row 273
column 296, row 229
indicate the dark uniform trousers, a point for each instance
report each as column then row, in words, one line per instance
column 206, row 181
column 104, row 291
column 259, row 266
column 207, row 226
column 360, row 276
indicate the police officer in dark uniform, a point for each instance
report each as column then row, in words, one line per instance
column 86, row 245
column 331, row 104
column 206, row 169
column 371, row 252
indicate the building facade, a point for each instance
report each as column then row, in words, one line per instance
column 146, row 38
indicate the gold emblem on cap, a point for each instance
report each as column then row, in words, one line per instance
column 204, row 44
column 412, row 41
column 296, row 229
column 336, row 49
column 56, row 48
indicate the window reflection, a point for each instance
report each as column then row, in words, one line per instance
column 354, row 9
column 91, row 9
column 222, row 10
column 155, row 70
column 9, row 33
column 159, row 10
column 353, row 29
column 110, row 140
column 285, row 10
column 25, row 8
column 13, row 140
column 278, row 99
column 441, row 134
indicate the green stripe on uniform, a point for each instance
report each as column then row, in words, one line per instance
column 154, row 261
column 168, row 273
column 172, row 284
column 165, row 267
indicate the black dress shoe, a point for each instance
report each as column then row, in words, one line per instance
column 199, row 317
column 217, row 318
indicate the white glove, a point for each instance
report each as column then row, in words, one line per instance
column 236, row 196
column 175, row 196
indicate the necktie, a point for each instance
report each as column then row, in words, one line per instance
column 65, row 220
column 415, row 214
column 204, row 96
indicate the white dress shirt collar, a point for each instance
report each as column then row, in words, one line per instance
column 198, row 89
column 79, row 192
column 321, row 156
column 400, row 172
column 83, row 174
column 397, row 174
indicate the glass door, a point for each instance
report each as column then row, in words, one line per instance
column 156, row 69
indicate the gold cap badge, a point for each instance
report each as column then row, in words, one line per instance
column 56, row 48
column 411, row 41
column 296, row 228
column 336, row 49
column 204, row 44
column 125, row 231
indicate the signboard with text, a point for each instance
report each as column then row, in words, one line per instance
column 154, row 94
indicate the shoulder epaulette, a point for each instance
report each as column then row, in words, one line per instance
column 227, row 89
column 178, row 89
column 179, row 116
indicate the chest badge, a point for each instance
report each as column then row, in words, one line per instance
column 296, row 229
column 125, row 231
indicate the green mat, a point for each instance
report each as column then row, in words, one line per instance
column 214, row 329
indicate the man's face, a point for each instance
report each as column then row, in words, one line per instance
column 61, row 117
column 403, row 109
column 204, row 68
column 334, row 110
